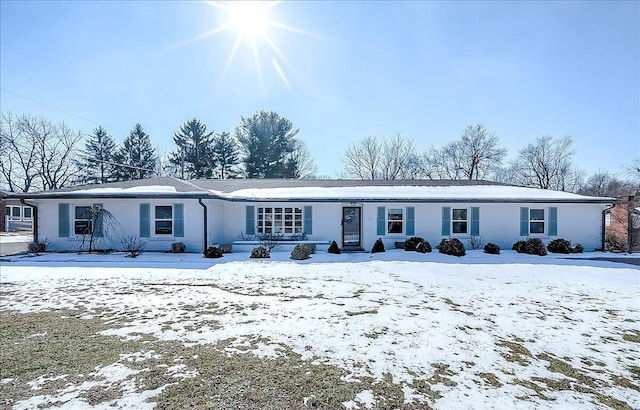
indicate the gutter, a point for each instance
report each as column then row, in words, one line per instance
column 204, row 228
column 34, row 215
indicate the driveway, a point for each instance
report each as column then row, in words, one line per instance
column 12, row 243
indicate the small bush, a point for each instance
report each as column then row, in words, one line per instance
column 411, row 243
column 37, row 247
column 300, row 252
column 532, row 246
column 311, row 247
column 178, row 247
column 378, row 246
column 476, row 241
column 492, row 248
column 132, row 245
column 333, row 248
column 564, row 246
column 260, row 252
column 423, row 247
column 226, row 248
column 213, row 252
column 451, row 247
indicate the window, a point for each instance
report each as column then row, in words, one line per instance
column 536, row 221
column 280, row 220
column 394, row 220
column 164, row 220
column 27, row 212
column 607, row 219
column 82, row 220
column 15, row 211
column 459, row 221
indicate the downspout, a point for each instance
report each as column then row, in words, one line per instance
column 604, row 227
column 34, row 228
column 204, row 228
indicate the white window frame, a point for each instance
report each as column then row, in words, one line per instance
column 607, row 219
column 543, row 221
column 81, row 218
column 156, row 220
column 286, row 220
column 391, row 222
column 24, row 212
column 465, row 221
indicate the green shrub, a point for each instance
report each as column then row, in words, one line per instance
column 532, row 246
column 178, row 247
column 378, row 246
column 492, row 248
column 564, row 246
column 411, row 243
column 423, row 247
column 333, row 248
column 213, row 252
column 300, row 252
column 451, row 247
column 260, row 252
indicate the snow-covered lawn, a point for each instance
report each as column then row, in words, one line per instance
column 351, row 331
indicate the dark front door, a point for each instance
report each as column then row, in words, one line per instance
column 351, row 231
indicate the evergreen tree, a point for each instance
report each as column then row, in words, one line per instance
column 226, row 156
column 96, row 164
column 268, row 141
column 193, row 156
column 136, row 158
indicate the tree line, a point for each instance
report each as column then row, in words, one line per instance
column 38, row 154
column 546, row 163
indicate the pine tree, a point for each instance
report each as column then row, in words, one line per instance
column 137, row 155
column 96, row 163
column 268, row 141
column 193, row 156
column 226, row 156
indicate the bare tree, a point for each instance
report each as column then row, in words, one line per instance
column 397, row 154
column 37, row 153
column 362, row 159
column 305, row 166
column 547, row 164
column 476, row 155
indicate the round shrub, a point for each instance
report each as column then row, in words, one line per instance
column 178, row 247
column 213, row 252
column 451, row 247
column 492, row 248
column 260, row 252
column 559, row 246
column 333, row 248
column 532, row 246
column 378, row 246
column 577, row 248
column 37, row 247
column 423, row 247
column 300, row 252
column 412, row 243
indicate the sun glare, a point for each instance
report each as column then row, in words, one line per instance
column 249, row 19
column 251, row 22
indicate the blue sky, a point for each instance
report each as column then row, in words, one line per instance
column 349, row 70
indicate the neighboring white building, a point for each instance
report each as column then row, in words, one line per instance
column 354, row 213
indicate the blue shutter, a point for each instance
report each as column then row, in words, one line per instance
column 145, row 220
column 446, row 221
column 553, row 221
column 250, row 228
column 308, row 220
column 411, row 224
column 63, row 220
column 524, row 221
column 178, row 220
column 380, row 230
column 475, row 220
column 98, row 221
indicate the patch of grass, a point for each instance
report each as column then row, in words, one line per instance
column 363, row 312
column 517, row 352
column 535, row 387
column 490, row 379
column 635, row 370
column 635, row 337
column 559, row 366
